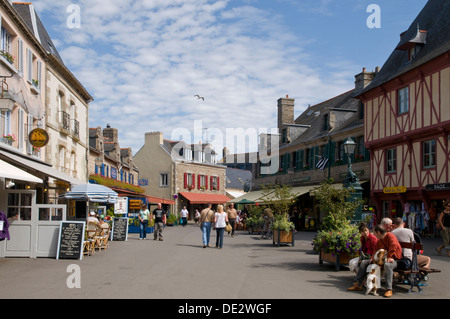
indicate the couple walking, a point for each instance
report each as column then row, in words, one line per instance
column 220, row 220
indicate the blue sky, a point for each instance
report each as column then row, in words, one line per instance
column 144, row 60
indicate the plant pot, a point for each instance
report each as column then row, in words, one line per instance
column 336, row 259
column 255, row 230
column 283, row 237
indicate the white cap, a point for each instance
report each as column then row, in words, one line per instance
column 92, row 213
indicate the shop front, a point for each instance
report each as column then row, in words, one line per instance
column 197, row 201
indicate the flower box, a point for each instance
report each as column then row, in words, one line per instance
column 336, row 259
column 282, row 237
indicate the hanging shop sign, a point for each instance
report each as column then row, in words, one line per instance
column 38, row 137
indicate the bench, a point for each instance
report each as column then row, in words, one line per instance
column 415, row 274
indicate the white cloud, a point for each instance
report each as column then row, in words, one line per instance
column 143, row 62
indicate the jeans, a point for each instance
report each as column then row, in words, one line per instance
column 388, row 269
column 219, row 238
column 183, row 221
column 233, row 225
column 206, row 232
column 158, row 230
column 143, row 229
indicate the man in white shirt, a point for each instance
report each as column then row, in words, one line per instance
column 184, row 214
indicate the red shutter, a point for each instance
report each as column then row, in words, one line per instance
column 211, row 182
column 206, row 182
column 199, row 181
column 218, row 183
column 185, row 180
column 193, row 181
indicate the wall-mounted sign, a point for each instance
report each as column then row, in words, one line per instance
column 38, row 137
column 395, row 189
column 438, row 187
column 143, row 182
column 113, row 173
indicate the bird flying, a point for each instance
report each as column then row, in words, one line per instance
column 199, row 97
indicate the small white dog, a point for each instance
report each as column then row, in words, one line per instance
column 373, row 281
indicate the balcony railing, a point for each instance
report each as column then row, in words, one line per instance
column 76, row 129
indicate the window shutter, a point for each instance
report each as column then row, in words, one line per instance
column 206, row 181
column 199, row 181
column 211, row 182
column 193, row 181
column 185, row 180
column 218, row 183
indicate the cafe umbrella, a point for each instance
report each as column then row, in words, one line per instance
column 93, row 193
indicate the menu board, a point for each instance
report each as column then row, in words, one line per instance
column 70, row 241
column 120, row 228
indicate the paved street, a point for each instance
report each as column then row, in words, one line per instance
column 178, row 267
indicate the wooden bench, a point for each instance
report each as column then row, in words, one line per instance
column 415, row 274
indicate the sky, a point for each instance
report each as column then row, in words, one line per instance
column 144, row 61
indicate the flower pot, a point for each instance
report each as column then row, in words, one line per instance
column 283, row 237
column 336, row 259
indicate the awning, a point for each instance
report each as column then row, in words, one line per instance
column 92, row 192
column 200, row 198
column 40, row 167
column 9, row 171
column 152, row 199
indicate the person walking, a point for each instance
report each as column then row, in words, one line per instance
column 220, row 221
column 231, row 214
column 143, row 218
column 206, row 219
column 159, row 215
column 184, row 214
column 444, row 223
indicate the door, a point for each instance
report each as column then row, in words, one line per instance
column 20, row 205
column 49, row 219
column 33, row 228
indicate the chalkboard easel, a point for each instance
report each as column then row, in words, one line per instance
column 70, row 240
column 120, row 229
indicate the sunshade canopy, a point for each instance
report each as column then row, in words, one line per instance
column 93, row 193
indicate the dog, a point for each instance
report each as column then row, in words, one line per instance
column 380, row 258
column 373, row 280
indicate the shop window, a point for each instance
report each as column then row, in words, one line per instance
column 19, row 206
column 50, row 214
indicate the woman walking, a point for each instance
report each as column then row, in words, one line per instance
column 143, row 218
column 444, row 222
column 220, row 221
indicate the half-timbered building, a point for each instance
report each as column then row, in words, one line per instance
column 407, row 121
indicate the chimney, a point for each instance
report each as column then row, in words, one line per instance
column 111, row 133
column 364, row 78
column 154, row 138
column 285, row 111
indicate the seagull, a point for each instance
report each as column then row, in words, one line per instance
column 199, row 97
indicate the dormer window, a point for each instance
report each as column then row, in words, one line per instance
column 412, row 45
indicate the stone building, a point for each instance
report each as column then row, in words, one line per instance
column 180, row 174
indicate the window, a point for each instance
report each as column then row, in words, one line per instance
column 188, row 154
column 391, row 160
column 163, row 180
column 202, row 182
column 403, row 100
column 214, row 183
column 429, row 154
column 6, row 41
column 5, row 122
column 189, row 180
column 62, row 159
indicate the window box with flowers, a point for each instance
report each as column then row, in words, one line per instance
column 8, row 139
column 8, row 60
column 359, row 158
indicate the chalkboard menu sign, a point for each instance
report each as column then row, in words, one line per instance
column 120, row 228
column 70, row 242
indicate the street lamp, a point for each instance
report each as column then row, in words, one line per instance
column 351, row 182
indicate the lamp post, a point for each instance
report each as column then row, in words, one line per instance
column 351, row 182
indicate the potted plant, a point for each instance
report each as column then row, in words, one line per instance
column 9, row 139
column 337, row 241
column 280, row 199
column 254, row 221
column 282, row 230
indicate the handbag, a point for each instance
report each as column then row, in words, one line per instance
column 228, row 228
